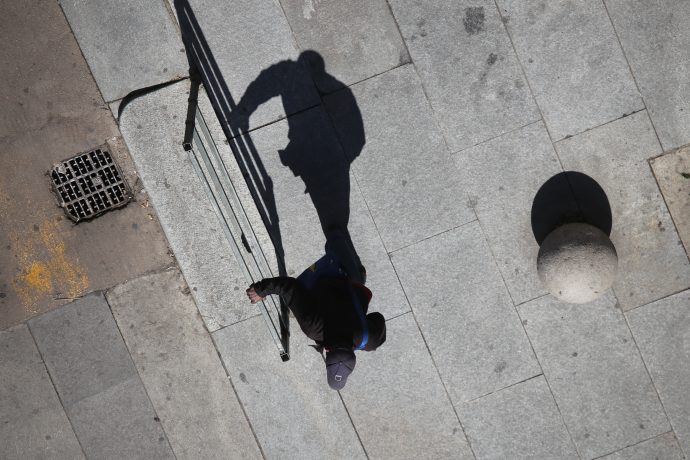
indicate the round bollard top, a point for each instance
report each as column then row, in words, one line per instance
column 577, row 263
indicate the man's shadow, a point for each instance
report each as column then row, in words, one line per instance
column 313, row 152
column 324, row 171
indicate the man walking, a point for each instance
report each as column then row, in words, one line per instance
column 330, row 302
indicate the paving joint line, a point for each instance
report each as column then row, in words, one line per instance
column 529, row 340
column 354, row 428
column 663, row 197
column 510, row 131
column 421, row 82
column 625, row 115
column 503, row 388
column 433, row 362
column 524, row 75
column 638, row 443
column 173, row 15
column 397, row 316
column 632, row 74
column 222, row 121
column 52, row 383
column 531, row 300
column 649, row 374
column 292, row 33
column 131, row 360
column 433, row 236
column 371, row 77
column 88, row 66
column 237, row 396
column 243, row 320
column 359, row 190
column 652, row 301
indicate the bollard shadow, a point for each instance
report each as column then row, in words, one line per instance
column 569, row 197
column 313, row 153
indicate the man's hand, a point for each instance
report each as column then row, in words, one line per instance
column 253, row 296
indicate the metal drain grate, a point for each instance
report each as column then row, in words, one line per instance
column 89, row 184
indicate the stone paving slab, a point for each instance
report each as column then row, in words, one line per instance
column 82, row 348
column 357, row 39
column 128, row 44
column 664, row 447
column 468, row 68
column 656, row 40
column 153, row 127
column 651, row 260
column 672, row 173
column 399, row 405
column 502, row 177
column 465, row 313
column 180, row 368
column 662, row 331
column 33, row 423
column 404, row 169
column 573, row 63
column 120, row 423
column 293, row 411
column 247, row 37
column 521, row 421
column 595, row 373
column 301, row 232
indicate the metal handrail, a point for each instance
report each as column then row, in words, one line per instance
column 233, row 219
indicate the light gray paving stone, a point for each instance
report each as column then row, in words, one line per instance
column 651, row 260
column 399, row 405
column 664, row 447
column 662, row 331
column 82, row 348
column 672, row 172
column 153, row 127
column 573, row 63
column 465, row 313
column 32, row 421
column 404, row 169
column 128, row 44
column 243, row 45
column 301, row 233
column 521, row 421
column 120, row 423
column 357, row 39
column 595, row 373
column 502, row 177
column 180, row 368
column 468, row 68
column 289, row 404
column 656, row 41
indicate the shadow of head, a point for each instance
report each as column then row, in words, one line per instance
column 569, row 197
column 312, row 61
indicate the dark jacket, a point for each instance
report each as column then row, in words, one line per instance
column 326, row 313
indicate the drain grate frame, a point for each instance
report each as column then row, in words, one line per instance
column 89, row 184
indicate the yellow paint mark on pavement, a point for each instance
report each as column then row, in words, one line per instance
column 44, row 268
column 38, row 278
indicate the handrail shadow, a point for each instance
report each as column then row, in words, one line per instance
column 204, row 69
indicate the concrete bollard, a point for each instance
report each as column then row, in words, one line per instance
column 577, row 263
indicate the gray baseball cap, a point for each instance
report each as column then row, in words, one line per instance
column 339, row 365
